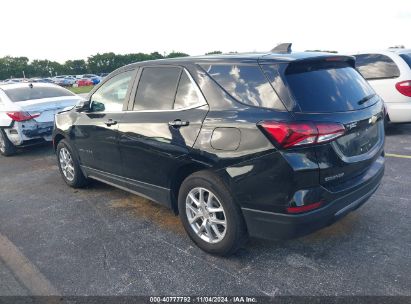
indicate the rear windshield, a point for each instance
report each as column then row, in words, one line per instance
column 29, row 93
column 328, row 87
column 407, row 58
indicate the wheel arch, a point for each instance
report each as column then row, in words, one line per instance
column 56, row 139
column 178, row 177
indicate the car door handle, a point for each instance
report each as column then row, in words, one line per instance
column 110, row 122
column 178, row 123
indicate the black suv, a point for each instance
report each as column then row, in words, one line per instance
column 271, row 145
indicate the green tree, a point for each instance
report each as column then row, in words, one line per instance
column 45, row 68
column 13, row 67
column 176, row 54
column 74, row 67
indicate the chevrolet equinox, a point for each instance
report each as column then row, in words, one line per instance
column 272, row 145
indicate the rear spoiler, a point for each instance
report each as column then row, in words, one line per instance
column 330, row 58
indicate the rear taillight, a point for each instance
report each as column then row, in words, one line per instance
column 291, row 134
column 304, row 208
column 21, row 116
column 404, row 87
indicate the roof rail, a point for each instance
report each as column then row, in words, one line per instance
column 282, row 48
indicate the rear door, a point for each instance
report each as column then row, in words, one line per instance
column 333, row 91
column 161, row 124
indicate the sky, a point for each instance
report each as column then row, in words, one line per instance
column 75, row 29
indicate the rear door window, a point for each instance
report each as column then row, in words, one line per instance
column 326, row 87
column 157, row 88
column 245, row 83
column 376, row 66
column 407, row 58
column 188, row 94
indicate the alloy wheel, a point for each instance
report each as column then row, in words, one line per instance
column 66, row 164
column 2, row 143
column 206, row 215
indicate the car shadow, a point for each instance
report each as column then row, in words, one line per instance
column 43, row 149
column 398, row 129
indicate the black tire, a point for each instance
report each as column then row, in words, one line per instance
column 235, row 233
column 6, row 146
column 386, row 122
column 78, row 180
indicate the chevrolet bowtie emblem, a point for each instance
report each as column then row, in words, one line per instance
column 373, row 119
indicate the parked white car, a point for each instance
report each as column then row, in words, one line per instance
column 27, row 113
column 64, row 80
column 389, row 73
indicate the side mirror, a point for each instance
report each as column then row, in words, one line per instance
column 82, row 106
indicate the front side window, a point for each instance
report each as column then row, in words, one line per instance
column 157, row 88
column 376, row 66
column 111, row 95
column 245, row 83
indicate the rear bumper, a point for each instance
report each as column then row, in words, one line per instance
column 399, row 112
column 270, row 225
column 44, row 129
column 29, row 132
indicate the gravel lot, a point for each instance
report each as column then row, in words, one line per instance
column 104, row 241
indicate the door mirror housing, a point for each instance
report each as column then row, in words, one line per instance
column 82, row 106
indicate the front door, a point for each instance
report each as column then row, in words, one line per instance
column 95, row 133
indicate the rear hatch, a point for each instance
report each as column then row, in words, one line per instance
column 329, row 90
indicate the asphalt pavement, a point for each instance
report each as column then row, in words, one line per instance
column 104, row 241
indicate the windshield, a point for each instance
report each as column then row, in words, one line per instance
column 407, row 58
column 325, row 88
column 29, row 93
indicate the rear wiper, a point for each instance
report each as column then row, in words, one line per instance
column 365, row 99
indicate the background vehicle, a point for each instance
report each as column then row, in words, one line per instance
column 389, row 73
column 64, row 81
column 27, row 113
column 268, row 145
column 94, row 78
column 43, row 80
column 84, row 82
column 13, row 80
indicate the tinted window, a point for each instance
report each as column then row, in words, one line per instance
column 157, row 88
column 327, row 88
column 407, row 58
column 375, row 66
column 35, row 92
column 245, row 83
column 112, row 94
column 187, row 93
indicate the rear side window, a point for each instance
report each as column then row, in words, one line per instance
column 327, row 87
column 376, row 66
column 188, row 94
column 407, row 58
column 35, row 92
column 245, row 83
column 157, row 88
